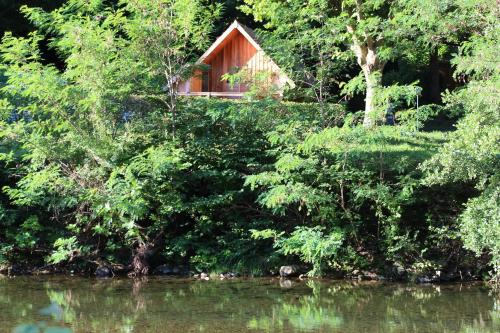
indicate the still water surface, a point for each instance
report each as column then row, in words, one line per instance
column 256, row 305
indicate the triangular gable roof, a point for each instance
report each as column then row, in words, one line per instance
column 245, row 31
column 249, row 34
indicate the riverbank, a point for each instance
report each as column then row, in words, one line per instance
column 296, row 272
column 247, row 187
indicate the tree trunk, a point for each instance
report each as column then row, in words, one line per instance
column 140, row 262
column 373, row 83
column 435, row 89
column 143, row 251
column 366, row 54
column 372, row 66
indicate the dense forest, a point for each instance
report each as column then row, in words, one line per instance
column 102, row 164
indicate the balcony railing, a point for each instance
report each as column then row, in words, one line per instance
column 213, row 94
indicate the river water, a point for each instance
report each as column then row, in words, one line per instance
column 73, row 304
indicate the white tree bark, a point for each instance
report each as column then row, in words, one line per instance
column 373, row 84
column 365, row 50
column 372, row 66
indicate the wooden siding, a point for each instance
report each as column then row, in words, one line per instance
column 196, row 81
column 234, row 52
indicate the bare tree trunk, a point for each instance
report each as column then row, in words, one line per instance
column 143, row 252
column 140, row 262
column 373, row 83
column 369, row 61
column 366, row 54
column 435, row 90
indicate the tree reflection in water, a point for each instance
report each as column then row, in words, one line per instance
column 261, row 305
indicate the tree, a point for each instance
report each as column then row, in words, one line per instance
column 365, row 27
column 88, row 133
column 365, row 23
column 373, row 32
column 169, row 33
column 472, row 154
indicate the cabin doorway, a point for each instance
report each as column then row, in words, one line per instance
column 205, row 81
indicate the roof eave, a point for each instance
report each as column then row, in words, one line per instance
column 221, row 38
column 249, row 37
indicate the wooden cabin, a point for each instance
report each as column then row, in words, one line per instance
column 236, row 49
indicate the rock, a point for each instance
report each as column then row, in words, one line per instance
column 422, row 279
column 14, row 270
column 430, row 277
column 369, row 276
column 450, row 276
column 397, row 272
column 45, row 272
column 163, row 270
column 103, row 272
column 302, row 276
column 285, row 283
column 426, row 279
column 365, row 276
column 227, row 275
column 204, row 276
column 289, row 271
column 167, row 270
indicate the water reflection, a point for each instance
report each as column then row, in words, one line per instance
column 54, row 313
column 263, row 305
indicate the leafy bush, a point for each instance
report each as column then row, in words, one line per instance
column 101, row 161
column 310, row 244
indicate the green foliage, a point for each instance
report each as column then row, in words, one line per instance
column 259, row 84
column 26, row 237
column 356, row 180
column 310, row 244
column 480, row 225
column 299, row 37
column 322, row 41
column 472, row 154
column 64, row 249
column 100, row 159
column 93, row 147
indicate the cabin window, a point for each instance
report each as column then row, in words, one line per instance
column 205, row 84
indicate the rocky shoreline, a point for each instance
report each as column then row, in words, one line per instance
column 397, row 274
